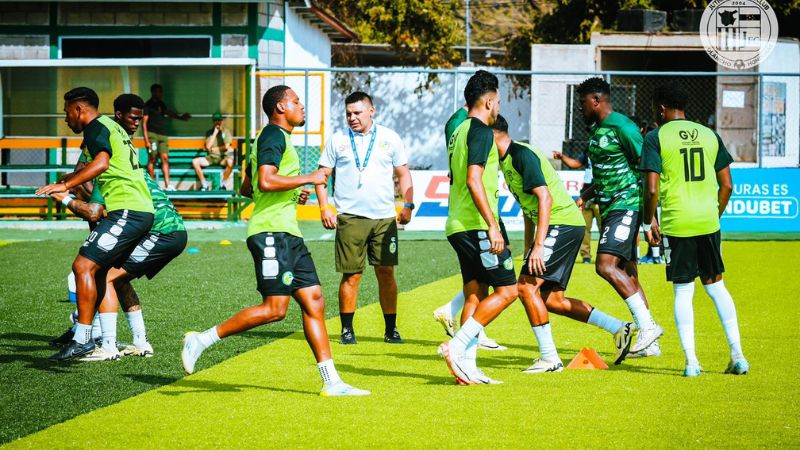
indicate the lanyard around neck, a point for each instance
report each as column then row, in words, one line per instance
column 369, row 149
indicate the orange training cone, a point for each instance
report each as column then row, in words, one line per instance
column 587, row 359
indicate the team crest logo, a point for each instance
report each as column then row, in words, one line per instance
column 603, row 142
column 508, row 264
column 393, row 247
column 287, row 278
column 738, row 34
column 689, row 135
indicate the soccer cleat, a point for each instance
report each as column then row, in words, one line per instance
column 587, row 260
column 442, row 316
column 342, row 389
column 692, row 371
column 456, row 364
column 543, row 366
column 73, row 350
column 488, row 343
column 348, row 337
column 393, row 337
column 738, row 367
column 653, row 350
column 622, row 341
column 145, row 350
column 191, row 351
column 481, row 378
column 62, row 340
column 658, row 260
column 646, row 260
column 646, row 338
column 101, row 354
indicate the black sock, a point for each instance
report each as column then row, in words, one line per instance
column 347, row 319
column 391, row 322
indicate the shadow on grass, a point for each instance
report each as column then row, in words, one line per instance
column 373, row 372
column 421, row 342
column 27, row 348
column 184, row 386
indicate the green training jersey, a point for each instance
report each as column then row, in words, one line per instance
column 525, row 169
column 472, row 143
column 122, row 184
column 614, row 150
column 683, row 153
column 453, row 122
column 274, row 211
column 166, row 220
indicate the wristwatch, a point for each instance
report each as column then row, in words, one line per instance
column 409, row 206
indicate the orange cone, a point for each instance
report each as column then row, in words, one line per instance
column 587, row 359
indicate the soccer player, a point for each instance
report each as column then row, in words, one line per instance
column 112, row 162
column 283, row 264
column 549, row 261
column 614, row 150
column 165, row 241
column 678, row 159
column 445, row 313
column 472, row 227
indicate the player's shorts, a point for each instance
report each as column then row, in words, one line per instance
column 154, row 252
column 161, row 142
column 113, row 239
column 477, row 263
column 618, row 234
column 560, row 250
column 691, row 257
column 283, row 264
column 359, row 238
column 504, row 232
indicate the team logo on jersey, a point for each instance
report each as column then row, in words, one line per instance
column 603, row 142
column 739, row 34
column 287, row 278
column 393, row 246
column 687, row 135
column 508, row 264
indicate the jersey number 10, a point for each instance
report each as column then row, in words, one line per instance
column 694, row 165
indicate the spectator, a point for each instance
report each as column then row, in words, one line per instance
column 220, row 152
column 154, row 127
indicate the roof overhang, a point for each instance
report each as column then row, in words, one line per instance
column 312, row 12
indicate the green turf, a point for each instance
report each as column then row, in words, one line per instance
column 267, row 397
column 193, row 292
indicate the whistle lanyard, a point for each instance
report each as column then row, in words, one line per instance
column 366, row 157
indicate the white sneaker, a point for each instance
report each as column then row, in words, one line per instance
column 488, row 343
column 145, row 350
column 192, row 349
column 457, row 363
column 544, row 366
column 442, row 315
column 622, row 341
column 653, row 350
column 342, row 389
column 170, row 187
column 481, row 378
column 102, row 354
column 647, row 337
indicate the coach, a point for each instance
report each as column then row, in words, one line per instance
column 364, row 159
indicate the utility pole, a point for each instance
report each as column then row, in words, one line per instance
column 468, row 30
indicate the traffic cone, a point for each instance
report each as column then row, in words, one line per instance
column 587, row 359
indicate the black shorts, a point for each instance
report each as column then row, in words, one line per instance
column 283, row 264
column 114, row 238
column 691, row 257
column 154, row 252
column 504, row 232
column 477, row 263
column 618, row 236
column 560, row 250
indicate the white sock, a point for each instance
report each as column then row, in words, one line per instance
column 204, row 184
column 656, row 251
column 600, row 319
column 641, row 315
column 482, row 335
column 456, row 305
column 465, row 335
column 208, row 338
column 108, row 325
column 727, row 315
column 684, row 319
column 83, row 333
column 136, row 324
column 547, row 347
column 471, row 352
column 97, row 331
column 328, row 373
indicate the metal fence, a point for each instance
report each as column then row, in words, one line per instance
column 756, row 114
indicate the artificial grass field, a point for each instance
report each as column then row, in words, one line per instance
column 251, row 395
